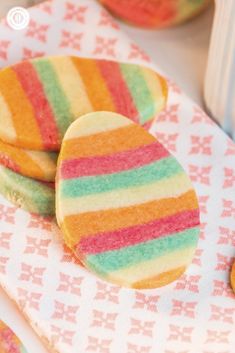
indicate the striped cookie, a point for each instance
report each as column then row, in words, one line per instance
column 40, row 98
column 124, row 204
column 33, row 164
column 31, row 195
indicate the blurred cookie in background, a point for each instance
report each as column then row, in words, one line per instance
column 155, row 13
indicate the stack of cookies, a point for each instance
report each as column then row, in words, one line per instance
column 125, row 206
column 40, row 98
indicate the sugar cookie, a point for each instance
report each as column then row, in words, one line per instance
column 33, row 164
column 125, row 205
column 40, row 98
column 31, row 195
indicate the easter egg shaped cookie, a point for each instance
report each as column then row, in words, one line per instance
column 124, row 204
column 41, row 97
column 31, row 195
column 33, row 164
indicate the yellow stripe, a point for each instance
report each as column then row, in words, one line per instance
column 72, row 85
column 232, row 277
column 151, row 268
column 155, row 87
column 7, row 128
column 164, row 86
column 160, row 280
column 45, row 163
column 171, row 187
column 97, row 122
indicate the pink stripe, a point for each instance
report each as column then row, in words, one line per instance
column 7, row 162
column 121, row 94
column 44, row 115
column 108, row 241
column 114, row 163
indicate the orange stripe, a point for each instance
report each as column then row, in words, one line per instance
column 27, row 166
column 86, row 224
column 232, row 277
column 122, row 139
column 96, row 87
column 159, row 280
column 164, row 86
column 21, row 109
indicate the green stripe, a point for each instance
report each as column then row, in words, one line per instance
column 140, row 91
column 83, row 186
column 55, row 94
column 131, row 255
column 31, row 194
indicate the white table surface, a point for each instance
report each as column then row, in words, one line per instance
column 181, row 52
